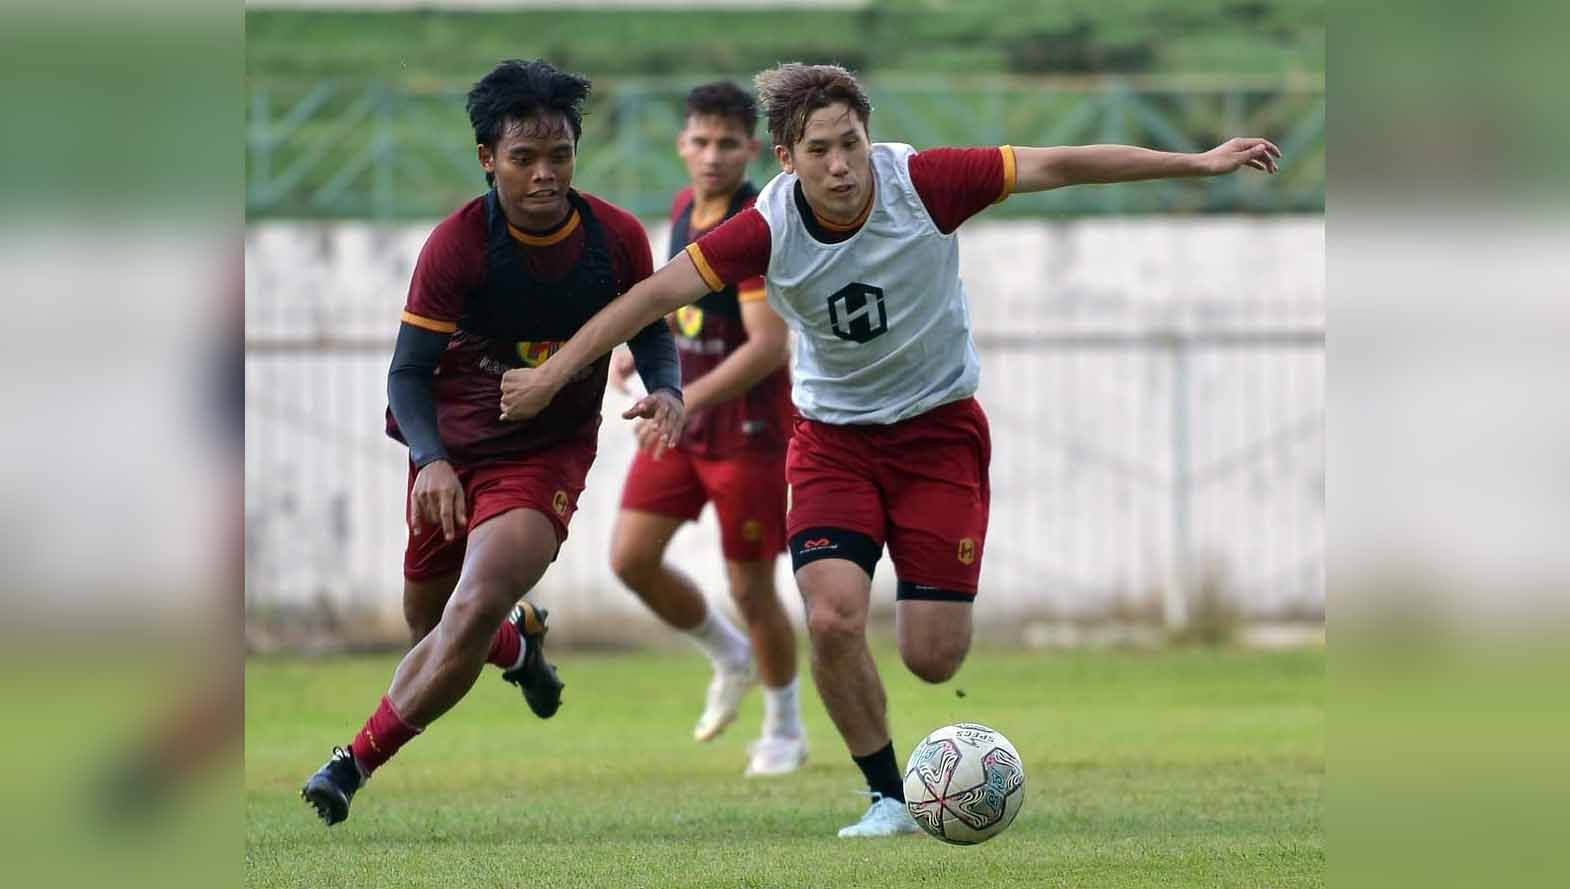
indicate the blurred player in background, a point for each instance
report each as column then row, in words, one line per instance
column 738, row 419
column 857, row 243
column 499, row 284
column 204, row 723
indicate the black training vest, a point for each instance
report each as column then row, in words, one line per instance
column 512, row 306
column 515, row 320
column 721, row 302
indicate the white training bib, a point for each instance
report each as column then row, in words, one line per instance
column 882, row 327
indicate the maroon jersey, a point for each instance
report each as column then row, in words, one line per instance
column 708, row 331
column 511, row 299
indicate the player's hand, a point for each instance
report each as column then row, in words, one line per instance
column 525, row 392
column 437, row 500
column 1261, row 154
column 648, row 436
column 665, row 413
column 622, row 367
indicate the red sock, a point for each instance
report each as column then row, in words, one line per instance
column 506, row 645
column 381, row 737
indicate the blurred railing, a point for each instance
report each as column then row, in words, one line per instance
column 341, row 150
column 1155, row 389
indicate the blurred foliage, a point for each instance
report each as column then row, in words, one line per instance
column 340, row 149
column 1264, row 38
column 357, row 114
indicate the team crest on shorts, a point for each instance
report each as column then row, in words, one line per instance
column 752, row 530
column 689, row 320
column 533, row 353
column 967, row 551
column 559, row 503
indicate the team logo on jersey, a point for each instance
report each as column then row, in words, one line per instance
column 534, row 353
column 857, row 314
column 689, row 320
column 967, row 551
column 559, row 503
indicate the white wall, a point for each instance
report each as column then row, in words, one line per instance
column 1083, row 522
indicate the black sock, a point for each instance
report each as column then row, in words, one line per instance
column 882, row 772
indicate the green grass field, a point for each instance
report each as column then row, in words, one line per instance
column 1187, row 767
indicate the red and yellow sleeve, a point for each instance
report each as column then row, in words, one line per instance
column 957, row 183
column 736, row 251
column 448, row 268
column 751, row 290
column 1007, row 153
column 705, row 271
column 435, row 324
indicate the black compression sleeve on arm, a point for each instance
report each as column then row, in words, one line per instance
column 409, row 390
column 654, row 354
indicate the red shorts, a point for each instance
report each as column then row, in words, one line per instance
column 919, row 485
column 548, row 481
column 748, row 491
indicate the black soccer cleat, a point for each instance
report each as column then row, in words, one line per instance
column 535, row 676
column 333, row 785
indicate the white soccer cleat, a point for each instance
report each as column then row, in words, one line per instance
column 886, row 817
column 775, row 756
column 726, row 690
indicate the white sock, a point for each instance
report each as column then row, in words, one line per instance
column 782, row 711
column 523, row 649
column 721, row 641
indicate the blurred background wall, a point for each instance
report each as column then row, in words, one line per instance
column 1153, row 354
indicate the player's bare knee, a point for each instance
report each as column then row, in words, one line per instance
column 634, row 566
column 759, row 608
column 833, row 628
column 754, row 600
column 472, row 615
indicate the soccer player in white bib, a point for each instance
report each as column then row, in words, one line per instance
column 857, row 244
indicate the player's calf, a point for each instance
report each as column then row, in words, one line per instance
column 932, row 666
column 934, row 635
column 423, row 603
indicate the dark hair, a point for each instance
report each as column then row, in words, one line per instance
column 516, row 90
column 724, row 99
column 792, row 91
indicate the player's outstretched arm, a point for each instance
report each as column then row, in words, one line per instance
column 1040, row 169
column 526, row 391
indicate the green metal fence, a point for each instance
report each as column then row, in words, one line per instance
column 333, row 149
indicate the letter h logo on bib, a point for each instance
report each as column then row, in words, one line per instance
column 856, row 312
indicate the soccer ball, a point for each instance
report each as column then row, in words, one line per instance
column 964, row 783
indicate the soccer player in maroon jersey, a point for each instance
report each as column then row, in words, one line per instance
column 857, row 244
column 738, row 418
column 498, row 286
